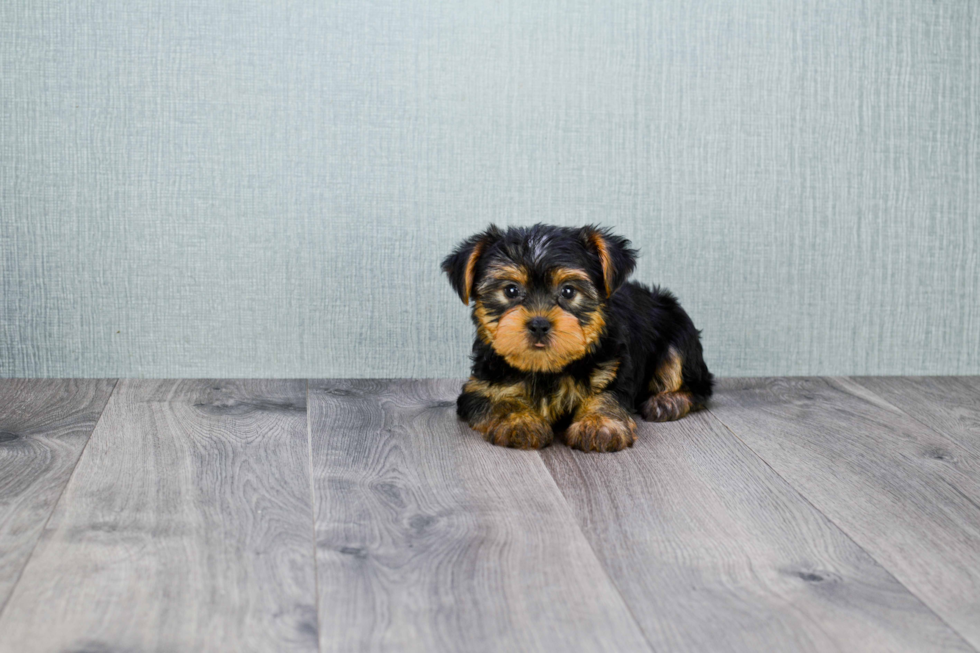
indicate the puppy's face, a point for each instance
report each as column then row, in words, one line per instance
column 539, row 292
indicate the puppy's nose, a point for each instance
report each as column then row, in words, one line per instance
column 539, row 326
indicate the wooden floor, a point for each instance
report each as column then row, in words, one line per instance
column 797, row 514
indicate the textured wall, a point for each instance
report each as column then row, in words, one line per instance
column 266, row 189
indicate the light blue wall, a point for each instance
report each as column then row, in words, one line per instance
column 266, row 188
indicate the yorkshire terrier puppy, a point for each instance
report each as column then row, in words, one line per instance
column 564, row 343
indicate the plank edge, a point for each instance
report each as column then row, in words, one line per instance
column 54, row 505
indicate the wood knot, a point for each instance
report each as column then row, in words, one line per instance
column 441, row 404
column 815, row 576
column 336, row 392
column 354, row 551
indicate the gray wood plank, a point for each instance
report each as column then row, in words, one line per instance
column 430, row 539
column 947, row 404
column 714, row 551
column 187, row 526
column 44, row 425
column 908, row 495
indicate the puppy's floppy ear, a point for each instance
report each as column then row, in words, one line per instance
column 460, row 266
column 615, row 255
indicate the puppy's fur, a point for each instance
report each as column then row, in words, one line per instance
column 565, row 343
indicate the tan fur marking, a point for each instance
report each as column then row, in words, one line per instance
column 486, row 328
column 561, row 275
column 607, row 267
column 495, row 392
column 603, row 375
column 593, row 330
column 669, row 378
column 470, row 271
column 564, row 400
column 501, row 272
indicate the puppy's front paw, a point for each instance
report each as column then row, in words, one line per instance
column 519, row 430
column 598, row 432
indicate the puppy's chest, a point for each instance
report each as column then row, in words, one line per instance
column 560, row 397
column 564, row 394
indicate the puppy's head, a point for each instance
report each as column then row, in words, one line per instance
column 540, row 292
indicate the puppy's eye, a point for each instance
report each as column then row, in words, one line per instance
column 567, row 292
column 511, row 291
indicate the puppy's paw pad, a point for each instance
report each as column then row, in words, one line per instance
column 520, row 432
column 665, row 407
column 601, row 433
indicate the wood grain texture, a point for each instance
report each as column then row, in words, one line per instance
column 44, row 425
column 948, row 404
column 187, row 526
column 713, row 551
column 430, row 539
column 908, row 495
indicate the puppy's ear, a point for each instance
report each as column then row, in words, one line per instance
column 615, row 255
column 460, row 266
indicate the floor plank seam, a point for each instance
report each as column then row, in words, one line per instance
column 54, row 506
column 612, row 581
column 844, row 532
column 316, row 570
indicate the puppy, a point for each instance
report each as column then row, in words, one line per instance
column 563, row 342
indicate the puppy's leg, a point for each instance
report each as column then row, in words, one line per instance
column 670, row 399
column 503, row 414
column 601, row 423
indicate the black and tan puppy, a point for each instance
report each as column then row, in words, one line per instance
column 564, row 343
